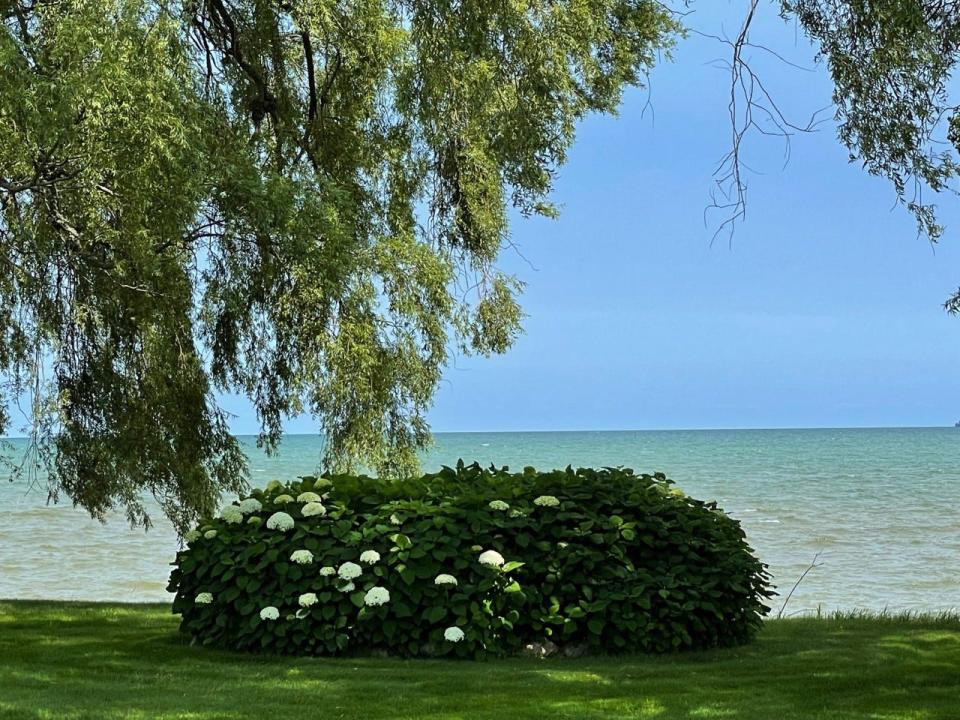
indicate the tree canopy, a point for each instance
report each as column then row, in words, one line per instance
column 301, row 201
column 891, row 62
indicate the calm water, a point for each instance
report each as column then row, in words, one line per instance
column 881, row 506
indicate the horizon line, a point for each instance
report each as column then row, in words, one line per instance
column 620, row 430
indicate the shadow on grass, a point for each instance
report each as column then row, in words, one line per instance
column 105, row 661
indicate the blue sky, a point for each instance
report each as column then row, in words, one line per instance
column 825, row 310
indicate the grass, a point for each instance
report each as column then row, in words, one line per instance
column 64, row 660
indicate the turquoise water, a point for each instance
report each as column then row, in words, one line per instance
column 881, row 506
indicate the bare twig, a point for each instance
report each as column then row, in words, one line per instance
column 751, row 108
column 813, row 564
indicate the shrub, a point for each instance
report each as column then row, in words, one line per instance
column 469, row 562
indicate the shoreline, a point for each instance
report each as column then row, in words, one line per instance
column 894, row 615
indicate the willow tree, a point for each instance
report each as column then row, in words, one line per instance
column 892, row 63
column 895, row 100
column 302, row 201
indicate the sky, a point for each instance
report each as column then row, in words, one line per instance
column 823, row 310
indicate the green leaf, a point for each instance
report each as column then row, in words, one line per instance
column 401, row 541
column 435, row 614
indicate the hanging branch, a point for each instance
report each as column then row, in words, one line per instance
column 751, row 108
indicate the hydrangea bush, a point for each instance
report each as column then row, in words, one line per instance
column 469, row 562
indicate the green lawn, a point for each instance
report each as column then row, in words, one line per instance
column 60, row 660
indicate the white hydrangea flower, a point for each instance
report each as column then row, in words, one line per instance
column 210, row 534
column 306, row 497
column 349, row 587
column 546, row 501
column 254, row 520
column 302, row 557
column 517, row 513
column 453, row 634
column 394, row 520
column 498, row 505
column 307, row 600
column 444, row 579
column 282, row 499
column 204, row 599
column 250, row 505
column 273, row 485
column 280, row 521
column 313, row 508
column 322, row 484
column 327, row 571
column 376, row 596
column 491, row 558
column 370, row 557
column 349, row 571
column 231, row 514
column 192, row 536
column 270, row 613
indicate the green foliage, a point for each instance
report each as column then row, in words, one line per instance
column 891, row 62
column 604, row 560
column 301, row 202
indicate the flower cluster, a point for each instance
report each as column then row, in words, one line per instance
column 308, row 497
column 349, row 571
column 444, row 579
column 491, row 558
column 370, row 557
column 270, row 613
column 312, row 509
column 282, row 499
column 204, row 598
column 307, row 600
column 546, row 501
column 280, row 521
column 232, row 515
column 301, row 557
column 498, row 505
column 453, row 634
column 376, row 596
column 250, row 506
